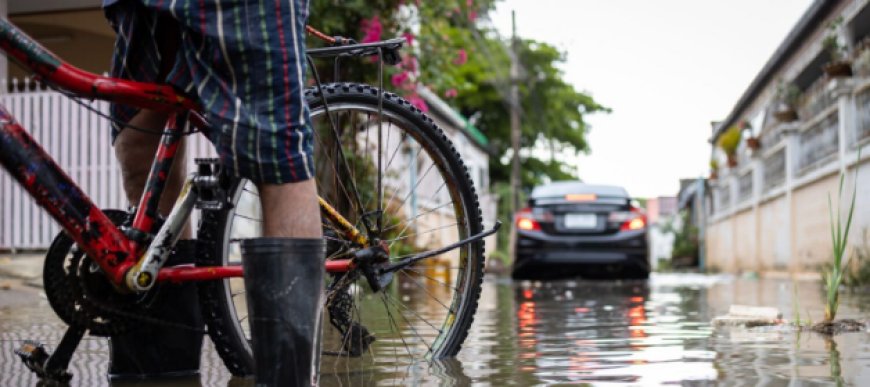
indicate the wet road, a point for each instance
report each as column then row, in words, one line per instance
column 567, row 332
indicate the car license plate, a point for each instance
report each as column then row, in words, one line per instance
column 580, row 221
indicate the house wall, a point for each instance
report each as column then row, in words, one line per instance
column 81, row 37
column 773, row 234
column 720, row 246
column 812, row 242
column 477, row 162
column 745, row 256
column 782, row 222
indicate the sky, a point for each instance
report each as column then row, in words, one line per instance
column 667, row 68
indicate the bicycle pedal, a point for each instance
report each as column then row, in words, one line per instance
column 35, row 357
column 33, row 354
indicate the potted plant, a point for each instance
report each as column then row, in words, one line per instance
column 839, row 65
column 714, row 169
column 728, row 142
column 752, row 142
column 787, row 96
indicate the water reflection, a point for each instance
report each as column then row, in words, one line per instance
column 574, row 332
column 568, row 332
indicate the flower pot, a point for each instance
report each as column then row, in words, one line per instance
column 785, row 115
column 732, row 161
column 838, row 69
column 714, row 174
column 753, row 143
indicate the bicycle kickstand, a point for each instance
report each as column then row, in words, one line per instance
column 52, row 367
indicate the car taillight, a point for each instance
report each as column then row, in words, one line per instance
column 636, row 220
column 526, row 221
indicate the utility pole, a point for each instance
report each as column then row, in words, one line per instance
column 515, row 118
column 515, row 134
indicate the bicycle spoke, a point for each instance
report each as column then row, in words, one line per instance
column 430, row 278
column 427, row 292
column 400, row 237
column 395, row 152
column 414, row 219
column 437, row 191
column 414, row 189
column 401, row 234
column 410, row 325
column 424, row 232
column 336, row 181
column 393, row 324
column 413, row 164
column 399, row 303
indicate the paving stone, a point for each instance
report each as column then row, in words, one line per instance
column 23, row 266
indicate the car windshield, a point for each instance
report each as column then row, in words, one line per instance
column 562, row 188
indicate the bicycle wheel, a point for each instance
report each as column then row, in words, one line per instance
column 421, row 200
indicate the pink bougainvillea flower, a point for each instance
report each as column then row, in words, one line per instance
column 398, row 79
column 372, row 29
column 409, row 63
column 409, row 37
column 461, row 57
column 472, row 15
column 418, row 102
column 451, row 93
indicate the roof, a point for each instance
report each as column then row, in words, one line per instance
column 562, row 188
column 443, row 109
column 811, row 19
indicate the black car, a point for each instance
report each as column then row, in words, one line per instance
column 574, row 229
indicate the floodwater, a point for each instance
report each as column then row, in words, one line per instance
column 568, row 332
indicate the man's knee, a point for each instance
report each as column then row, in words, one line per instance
column 135, row 150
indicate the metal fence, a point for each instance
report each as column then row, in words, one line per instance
column 79, row 141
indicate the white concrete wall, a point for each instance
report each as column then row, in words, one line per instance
column 788, row 228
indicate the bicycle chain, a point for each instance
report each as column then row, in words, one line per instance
column 138, row 312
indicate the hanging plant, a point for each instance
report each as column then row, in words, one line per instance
column 839, row 65
column 728, row 142
column 752, row 142
column 786, row 100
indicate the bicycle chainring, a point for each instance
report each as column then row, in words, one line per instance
column 82, row 296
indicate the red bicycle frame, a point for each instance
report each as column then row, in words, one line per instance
column 114, row 251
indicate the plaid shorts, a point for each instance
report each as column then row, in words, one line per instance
column 243, row 60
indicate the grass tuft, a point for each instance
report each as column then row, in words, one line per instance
column 839, row 236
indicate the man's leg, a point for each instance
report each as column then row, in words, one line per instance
column 284, row 282
column 135, row 151
column 291, row 210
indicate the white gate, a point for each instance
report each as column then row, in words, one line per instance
column 79, row 141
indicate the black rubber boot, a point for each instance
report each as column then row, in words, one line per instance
column 283, row 284
column 160, row 351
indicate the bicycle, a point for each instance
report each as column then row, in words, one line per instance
column 101, row 271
